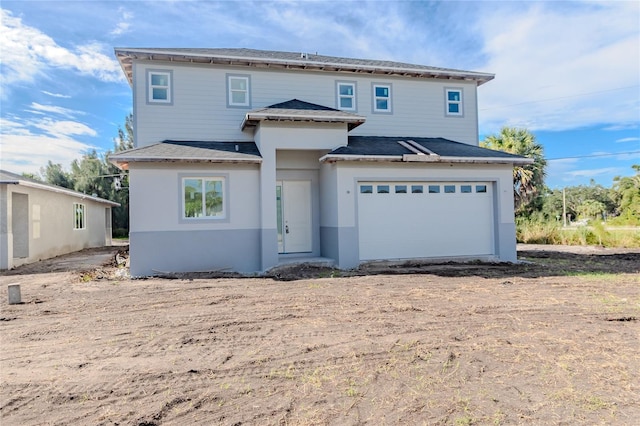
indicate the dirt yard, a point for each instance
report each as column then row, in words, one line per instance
column 555, row 340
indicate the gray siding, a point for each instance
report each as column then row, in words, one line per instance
column 199, row 110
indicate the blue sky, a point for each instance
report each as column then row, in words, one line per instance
column 567, row 71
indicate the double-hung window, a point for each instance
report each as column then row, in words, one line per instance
column 79, row 216
column 203, row 198
column 238, row 91
column 159, row 87
column 453, row 100
column 382, row 98
column 346, row 95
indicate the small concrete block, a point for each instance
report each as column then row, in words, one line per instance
column 14, row 294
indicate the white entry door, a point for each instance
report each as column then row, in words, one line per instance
column 294, row 216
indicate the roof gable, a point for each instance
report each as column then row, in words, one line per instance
column 297, row 110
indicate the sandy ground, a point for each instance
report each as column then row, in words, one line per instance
column 554, row 340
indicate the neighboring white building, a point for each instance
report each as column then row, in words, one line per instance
column 39, row 221
column 244, row 158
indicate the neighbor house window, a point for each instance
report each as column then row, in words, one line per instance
column 449, row 189
column 203, row 198
column 238, row 91
column 481, row 188
column 401, row 189
column 346, row 95
column 465, row 189
column 417, row 189
column 383, row 189
column 159, row 87
column 434, row 189
column 79, row 220
column 453, row 99
column 381, row 97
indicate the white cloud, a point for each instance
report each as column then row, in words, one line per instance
column 56, row 95
column 633, row 139
column 39, row 108
column 27, row 53
column 27, row 145
column 561, row 65
column 124, row 26
column 593, row 173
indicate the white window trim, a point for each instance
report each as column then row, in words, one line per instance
column 169, row 87
column 447, row 102
column 374, row 107
column 79, row 222
column 247, row 79
column 354, row 97
column 223, row 217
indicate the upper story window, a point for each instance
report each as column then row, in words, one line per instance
column 238, row 91
column 203, row 197
column 79, row 221
column 159, row 87
column 381, row 97
column 453, row 101
column 346, row 95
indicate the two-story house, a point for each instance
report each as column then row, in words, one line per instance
column 245, row 158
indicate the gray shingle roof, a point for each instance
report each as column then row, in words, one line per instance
column 301, row 105
column 385, row 146
column 191, row 151
column 291, row 60
column 297, row 110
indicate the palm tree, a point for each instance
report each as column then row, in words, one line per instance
column 528, row 180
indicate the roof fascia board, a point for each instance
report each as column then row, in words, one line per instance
column 480, row 77
column 65, row 191
column 426, row 159
column 123, row 160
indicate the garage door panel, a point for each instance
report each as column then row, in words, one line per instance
column 408, row 225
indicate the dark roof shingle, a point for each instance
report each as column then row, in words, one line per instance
column 389, row 146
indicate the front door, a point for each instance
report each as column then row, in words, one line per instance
column 293, row 201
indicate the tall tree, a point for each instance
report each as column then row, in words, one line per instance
column 55, row 175
column 120, row 183
column 626, row 192
column 528, row 180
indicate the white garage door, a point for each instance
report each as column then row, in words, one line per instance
column 402, row 220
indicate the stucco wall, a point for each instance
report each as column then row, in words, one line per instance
column 339, row 214
column 162, row 241
column 50, row 223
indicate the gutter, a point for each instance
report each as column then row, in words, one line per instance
column 423, row 158
column 123, row 162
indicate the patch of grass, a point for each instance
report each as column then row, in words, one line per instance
column 594, row 403
column 537, row 232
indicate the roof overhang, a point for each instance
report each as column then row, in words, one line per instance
column 424, row 158
column 124, row 161
column 58, row 190
column 253, row 118
column 126, row 56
